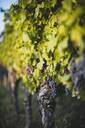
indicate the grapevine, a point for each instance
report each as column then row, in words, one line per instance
column 41, row 38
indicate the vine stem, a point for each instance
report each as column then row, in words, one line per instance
column 47, row 105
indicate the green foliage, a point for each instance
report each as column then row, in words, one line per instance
column 41, row 32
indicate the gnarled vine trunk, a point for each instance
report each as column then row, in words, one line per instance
column 13, row 83
column 46, row 97
column 28, row 107
column 14, row 95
